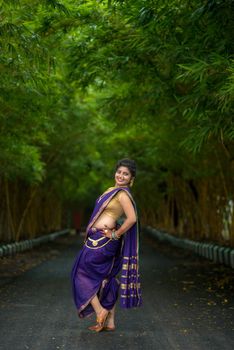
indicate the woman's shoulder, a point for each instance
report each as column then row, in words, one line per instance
column 123, row 193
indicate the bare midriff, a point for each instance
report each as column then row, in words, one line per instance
column 110, row 214
column 105, row 221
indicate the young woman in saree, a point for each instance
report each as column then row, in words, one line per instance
column 108, row 249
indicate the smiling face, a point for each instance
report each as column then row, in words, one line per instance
column 122, row 176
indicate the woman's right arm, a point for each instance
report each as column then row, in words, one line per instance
column 129, row 211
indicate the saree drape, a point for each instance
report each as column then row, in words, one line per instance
column 100, row 260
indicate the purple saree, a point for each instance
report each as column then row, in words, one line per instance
column 100, row 260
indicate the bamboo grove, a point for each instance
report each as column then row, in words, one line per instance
column 84, row 83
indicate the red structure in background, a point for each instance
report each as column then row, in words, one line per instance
column 77, row 220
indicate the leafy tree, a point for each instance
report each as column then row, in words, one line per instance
column 85, row 83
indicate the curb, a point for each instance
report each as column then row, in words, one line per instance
column 218, row 254
column 16, row 247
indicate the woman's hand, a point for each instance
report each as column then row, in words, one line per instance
column 107, row 232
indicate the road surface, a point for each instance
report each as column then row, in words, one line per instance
column 187, row 305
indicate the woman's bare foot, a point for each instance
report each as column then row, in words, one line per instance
column 102, row 316
column 109, row 323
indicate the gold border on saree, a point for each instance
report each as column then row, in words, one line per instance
column 95, row 242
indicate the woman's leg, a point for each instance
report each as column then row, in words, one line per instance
column 96, row 305
column 102, row 315
column 98, row 308
column 111, row 318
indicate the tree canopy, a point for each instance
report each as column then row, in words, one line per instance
column 84, row 83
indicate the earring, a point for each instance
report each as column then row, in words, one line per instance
column 131, row 182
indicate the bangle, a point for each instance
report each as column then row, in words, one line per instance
column 114, row 236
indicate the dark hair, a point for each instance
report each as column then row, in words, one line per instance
column 128, row 163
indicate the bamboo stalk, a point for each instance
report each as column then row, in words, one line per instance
column 25, row 212
column 9, row 214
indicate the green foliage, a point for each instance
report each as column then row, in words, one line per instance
column 84, row 83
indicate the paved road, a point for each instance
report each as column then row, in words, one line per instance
column 187, row 306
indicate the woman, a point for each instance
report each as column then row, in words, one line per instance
column 109, row 248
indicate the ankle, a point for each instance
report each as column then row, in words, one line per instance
column 101, row 311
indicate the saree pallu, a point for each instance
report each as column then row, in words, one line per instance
column 94, row 272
